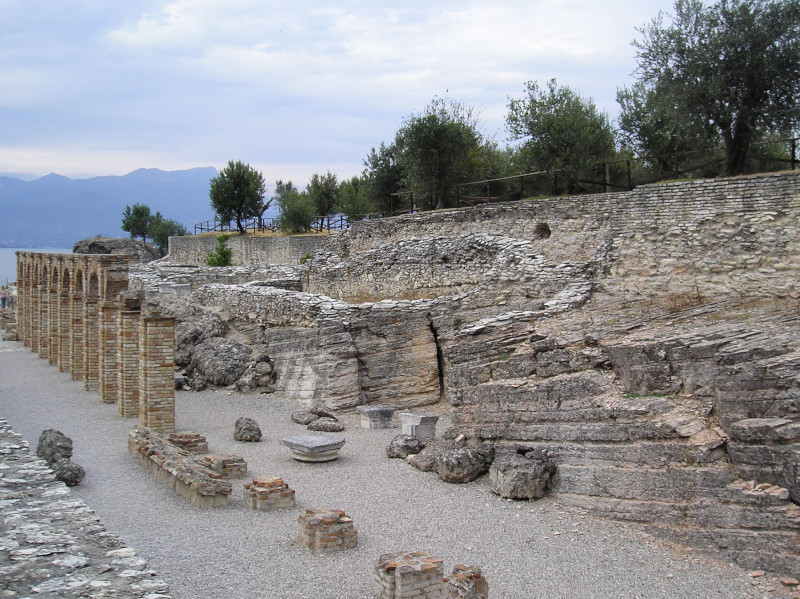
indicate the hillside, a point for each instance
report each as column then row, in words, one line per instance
column 56, row 211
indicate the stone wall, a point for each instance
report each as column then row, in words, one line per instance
column 247, row 251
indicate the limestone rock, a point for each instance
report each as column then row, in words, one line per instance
column 246, row 429
column 68, row 472
column 425, row 460
column 523, row 474
column 192, row 327
column 461, row 465
column 325, row 424
column 54, row 446
column 139, row 252
column 219, row 361
column 403, row 446
column 303, row 417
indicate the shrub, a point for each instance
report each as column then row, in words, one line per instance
column 222, row 254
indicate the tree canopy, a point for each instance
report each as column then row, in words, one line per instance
column 161, row 229
column 438, row 149
column 136, row 221
column 559, row 130
column 237, row 194
column 733, row 66
column 296, row 211
column 323, row 191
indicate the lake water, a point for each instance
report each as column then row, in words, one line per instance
column 8, row 261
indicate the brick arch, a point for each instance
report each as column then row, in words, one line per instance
column 101, row 334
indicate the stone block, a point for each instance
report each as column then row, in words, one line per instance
column 190, row 442
column 376, row 416
column 418, row 575
column 227, row 464
column 421, row 426
column 314, row 448
column 268, row 493
column 326, row 531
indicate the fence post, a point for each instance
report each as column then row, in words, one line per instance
column 677, row 171
column 607, row 176
column 488, row 193
column 521, row 186
column 794, row 152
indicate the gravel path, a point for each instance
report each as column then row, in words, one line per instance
column 526, row 550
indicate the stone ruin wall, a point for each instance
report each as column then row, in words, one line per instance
column 649, row 342
column 247, row 251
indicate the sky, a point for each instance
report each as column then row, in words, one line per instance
column 99, row 87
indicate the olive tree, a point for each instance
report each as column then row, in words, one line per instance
column 237, row 194
column 559, row 131
column 733, row 65
column 438, row 149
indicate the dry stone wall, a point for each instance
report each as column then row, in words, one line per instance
column 646, row 341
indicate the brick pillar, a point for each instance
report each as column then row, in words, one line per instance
column 64, row 330
column 34, row 318
column 128, row 360
column 108, row 366
column 157, row 373
column 91, row 344
column 53, row 310
column 76, row 336
column 44, row 317
column 22, row 299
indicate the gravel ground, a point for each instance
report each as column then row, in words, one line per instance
column 526, row 549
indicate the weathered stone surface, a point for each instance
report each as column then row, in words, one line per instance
column 68, row 472
column 462, row 464
column 425, row 460
column 246, row 429
column 466, row 582
column 303, row 417
column 403, row 446
column 326, row 424
column 54, row 446
column 523, row 474
column 52, row 541
column 139, row 252
column 648, row 339
column 218, row 361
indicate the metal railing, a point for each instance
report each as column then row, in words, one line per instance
column 331, row 222
column 617, row 174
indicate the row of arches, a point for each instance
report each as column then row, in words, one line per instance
column 74, row 310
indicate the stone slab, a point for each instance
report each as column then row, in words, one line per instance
column 314, row 448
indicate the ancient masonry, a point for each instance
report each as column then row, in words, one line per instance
column 326, row 531
column 53, row 544
column 420, row 575
column 75, row 312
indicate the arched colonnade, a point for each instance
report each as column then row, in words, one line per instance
column 74, row 310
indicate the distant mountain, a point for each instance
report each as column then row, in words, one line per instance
column 55, row 211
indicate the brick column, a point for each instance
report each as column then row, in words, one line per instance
column 64, row 330
column 22, row 299
column 128, row 360
column 108, row 366
column 157, row 373
column 91, row 344
column 34, row 316
column 76, row 336
column 53, row 332
column 44, row 315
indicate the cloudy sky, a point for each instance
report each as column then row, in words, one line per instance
column 99, row 87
